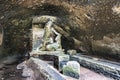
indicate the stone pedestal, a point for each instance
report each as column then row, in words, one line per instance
column 57, row 58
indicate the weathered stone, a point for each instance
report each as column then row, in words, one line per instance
column 41, row 71
column 107, row 46
column 43, row 19
column 81, row 29
column 105, row 67
column 62, row 63
column 2, row 66
column 45, row 37
column 50, row 63
column 22, row 65
column 10, row 60
column 27, row 72
column 72, row 69
column 58, row 57
column 72, row 52
column 58, row 52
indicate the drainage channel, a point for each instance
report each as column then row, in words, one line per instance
column 105, row 67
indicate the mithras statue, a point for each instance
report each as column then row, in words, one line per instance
column 51, row 38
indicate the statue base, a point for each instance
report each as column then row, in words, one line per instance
column 56, row 58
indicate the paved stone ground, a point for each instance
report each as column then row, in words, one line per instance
column 87, row 74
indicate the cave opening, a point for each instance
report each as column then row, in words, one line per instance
column 17, row 37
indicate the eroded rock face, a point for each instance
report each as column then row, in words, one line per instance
column 81, row 26
column 108, row 45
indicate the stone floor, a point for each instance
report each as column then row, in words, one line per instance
column 87, row 74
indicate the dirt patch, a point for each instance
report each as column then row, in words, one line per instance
column 9, row 72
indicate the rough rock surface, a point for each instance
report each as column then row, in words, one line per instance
column 72, row 69
column 36, row 69
column 82, row 24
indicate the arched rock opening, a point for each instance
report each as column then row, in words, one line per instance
column 18, row 29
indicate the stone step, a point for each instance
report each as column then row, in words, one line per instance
column 108, row 68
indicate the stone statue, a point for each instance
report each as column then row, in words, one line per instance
column 51, row 38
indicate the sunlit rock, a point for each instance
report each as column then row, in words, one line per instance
column 116, row 9
column 72, row 52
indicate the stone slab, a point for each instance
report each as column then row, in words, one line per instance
column 72, row 69
column 40, row 70
column 57, row 57
column 37, row 53
column 108, row 68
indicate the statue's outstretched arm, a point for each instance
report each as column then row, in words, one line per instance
column 55, row 32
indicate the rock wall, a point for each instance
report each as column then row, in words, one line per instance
column 1, row 40
column 1, row 36
column 82, row 26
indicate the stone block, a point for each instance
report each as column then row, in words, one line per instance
column 56, row 58
column 72, row 69
column 60, row 58
column 43, row 71
column 72, row 52
column 105, row 67
column 50, row 63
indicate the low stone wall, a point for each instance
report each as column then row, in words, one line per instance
column 108, row 68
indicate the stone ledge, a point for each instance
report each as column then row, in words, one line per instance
column 37, row 53
column 108, row 68
column 41, row 70
column 57, row 57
